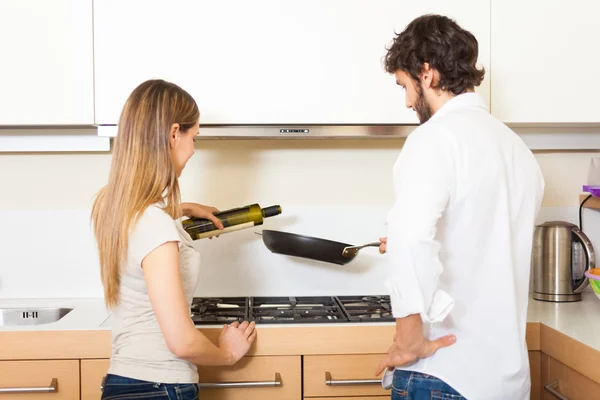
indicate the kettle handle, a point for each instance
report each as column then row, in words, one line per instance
column 590, row 255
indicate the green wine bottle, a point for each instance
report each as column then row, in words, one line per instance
column 233, row 220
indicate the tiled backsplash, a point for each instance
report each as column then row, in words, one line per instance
column 48, row 254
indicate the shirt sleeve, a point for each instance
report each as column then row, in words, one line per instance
column 154, row 227
column 423, row 183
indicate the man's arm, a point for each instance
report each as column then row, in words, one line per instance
column 423, row 183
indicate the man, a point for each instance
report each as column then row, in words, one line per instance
column 467, row 192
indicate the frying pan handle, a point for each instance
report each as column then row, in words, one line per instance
column 374, row 244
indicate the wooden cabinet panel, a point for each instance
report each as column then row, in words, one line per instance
column 40, row 374
column 535, row 362
column 254, row 371
column 92, row 372
column 349, row 368
column 571, row 383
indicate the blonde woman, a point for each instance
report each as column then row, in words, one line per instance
column 149, row 268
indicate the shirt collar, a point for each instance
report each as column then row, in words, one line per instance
column 469, row 99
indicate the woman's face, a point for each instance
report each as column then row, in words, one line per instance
column 182, row 145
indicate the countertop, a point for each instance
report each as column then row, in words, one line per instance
column 579, row 320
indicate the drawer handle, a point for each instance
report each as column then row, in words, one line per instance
column 553, row 387
column 53, row 388
column 341, row 382
column 224, row 385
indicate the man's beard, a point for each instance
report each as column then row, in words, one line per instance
column 422, row 107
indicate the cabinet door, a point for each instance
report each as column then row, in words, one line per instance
column 354, row 374
column 266, row 62
column 46, row 73
column 535, row 368
column 39, row 380
column 253, row 378
column 543, row 50
column 92, row 373
column 568, row 382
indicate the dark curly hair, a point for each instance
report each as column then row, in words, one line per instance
column 441, row 42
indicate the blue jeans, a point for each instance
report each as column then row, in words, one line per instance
column 121, row 388
column 409, row 385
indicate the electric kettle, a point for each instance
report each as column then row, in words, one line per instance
column 561, row 255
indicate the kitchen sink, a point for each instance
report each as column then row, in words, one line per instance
column 31, row 316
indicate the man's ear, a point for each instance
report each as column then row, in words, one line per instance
column 429, row 76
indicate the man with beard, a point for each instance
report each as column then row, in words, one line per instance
column 467, row 192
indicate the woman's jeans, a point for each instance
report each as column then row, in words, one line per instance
column 121, row 388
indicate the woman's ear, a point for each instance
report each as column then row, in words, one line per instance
column 173, row 135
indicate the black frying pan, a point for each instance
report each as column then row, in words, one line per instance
column 292, row 244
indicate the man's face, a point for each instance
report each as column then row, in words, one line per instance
column 414, row 96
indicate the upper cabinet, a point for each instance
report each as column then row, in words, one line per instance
column 268, row 61
column 545, row 59
column 46, row 73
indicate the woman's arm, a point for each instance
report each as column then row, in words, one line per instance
column 161, row 272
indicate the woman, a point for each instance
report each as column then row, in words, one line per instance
column 149, row 268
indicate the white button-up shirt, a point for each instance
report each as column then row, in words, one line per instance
column 467, row 192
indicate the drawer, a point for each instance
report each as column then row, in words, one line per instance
column 254, row 378
column 343, row 375
column 570, row 383
column 92, row 373
column 36, row 380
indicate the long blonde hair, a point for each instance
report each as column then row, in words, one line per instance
column 141, row 172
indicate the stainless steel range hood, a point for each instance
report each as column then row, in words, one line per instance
column 277, row 131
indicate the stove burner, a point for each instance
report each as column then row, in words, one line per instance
column 367, row 308
column 295, row 309
column 302, row 309
column 219, row 310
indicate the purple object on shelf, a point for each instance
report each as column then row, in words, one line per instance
column 593, row 190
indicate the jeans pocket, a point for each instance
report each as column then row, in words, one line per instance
column 439, row 395
column 399, row 385
column 187, row 392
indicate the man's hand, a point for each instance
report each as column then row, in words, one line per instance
column 383, row 245
column 410, row 345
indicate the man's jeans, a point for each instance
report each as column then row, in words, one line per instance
column 409, row 385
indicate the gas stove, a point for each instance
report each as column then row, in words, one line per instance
column 291, row 310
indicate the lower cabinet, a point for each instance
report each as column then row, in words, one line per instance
column 560, row 380
column 52, row 379
column 92, row 373
column 253, row 378
column 342, row 376
column 535, row 369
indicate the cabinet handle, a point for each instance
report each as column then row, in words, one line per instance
column 341, row 382
column 53, row 388
column 224, row 385
column 553, row 387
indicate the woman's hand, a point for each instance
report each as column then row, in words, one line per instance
column 236, row 339
column 199, row 211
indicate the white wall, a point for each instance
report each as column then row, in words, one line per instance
column 48, row 254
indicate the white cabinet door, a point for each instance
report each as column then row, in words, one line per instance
column 268, row 61
column 46, row 72
column 545, row 61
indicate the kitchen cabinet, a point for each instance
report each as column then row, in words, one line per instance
column 46, row 74
column 342, row 376
column 541, row 49
column 535, row 370
column 92, row 373
column 56, row 380
column 269, row 62
column 252, row 378
column 566, row 381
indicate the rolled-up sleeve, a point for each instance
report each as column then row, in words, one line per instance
column 423, row 183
